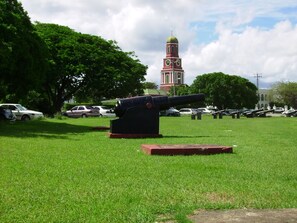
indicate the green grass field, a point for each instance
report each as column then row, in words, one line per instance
column 62, row 171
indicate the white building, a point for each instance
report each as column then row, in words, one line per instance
column 263, row 98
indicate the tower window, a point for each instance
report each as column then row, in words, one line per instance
column 166, row 79
column 179, row 79
column 168, row 49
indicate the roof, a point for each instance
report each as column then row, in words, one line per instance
column 154, row 92
column 172, row 39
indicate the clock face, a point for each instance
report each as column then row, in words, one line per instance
column 177, row 62
column 167, row 62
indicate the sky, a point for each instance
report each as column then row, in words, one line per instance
column 236, row 37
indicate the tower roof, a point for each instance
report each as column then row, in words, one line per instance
column 172, row 39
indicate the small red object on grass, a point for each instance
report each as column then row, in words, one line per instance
column 184, row 149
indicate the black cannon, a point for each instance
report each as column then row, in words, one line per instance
column 263, row 113
column 253, row 113
column 216, row 113
column 290, row 113
column 235, row 113
column 139, row 116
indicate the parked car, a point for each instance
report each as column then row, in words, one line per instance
column 170, row 112
column 278, row 110
column 6, row 114
column 22, row 113
column 204, row 110
column 230, row 111
column 245, row 111
column 187, row 111
column 82, row 111
column 105, row 111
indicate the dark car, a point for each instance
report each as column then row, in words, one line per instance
column 82, row 111
column 6, row 114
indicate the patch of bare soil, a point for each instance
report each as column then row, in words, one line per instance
column 245, row 215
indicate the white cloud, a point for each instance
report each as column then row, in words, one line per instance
column 143, row 26
column 273, row 53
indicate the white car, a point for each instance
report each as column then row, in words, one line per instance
column 105, row 111
column 82, row 111
column 22, row 113
column 278, row 110
column 187, row 111
column 170, row 112
column 204, row 110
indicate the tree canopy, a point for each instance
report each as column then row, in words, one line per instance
column 87, row 66
column 22, row 61
column 226, row 91
column 180, row 90
column 284, row 93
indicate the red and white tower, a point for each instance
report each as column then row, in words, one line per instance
column 172, row 73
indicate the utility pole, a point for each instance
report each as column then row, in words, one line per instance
column 258, row 76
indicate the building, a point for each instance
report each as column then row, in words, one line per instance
column 263, row 98
column 172, row 73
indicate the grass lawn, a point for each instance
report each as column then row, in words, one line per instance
column 61, row 171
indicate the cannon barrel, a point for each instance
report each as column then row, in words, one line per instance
column 158, row 102
column 182, row 100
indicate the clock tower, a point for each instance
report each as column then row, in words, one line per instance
column 172, row 73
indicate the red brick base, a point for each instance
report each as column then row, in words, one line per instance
column 184, row 149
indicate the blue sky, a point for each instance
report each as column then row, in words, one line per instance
column 205, row 32
column 232, row 36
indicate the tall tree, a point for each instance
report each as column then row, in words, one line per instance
column 81, row 64
column 66, row 73
column 112, row 72
column 226, row 91
column 284, row 93
column 22, row 62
